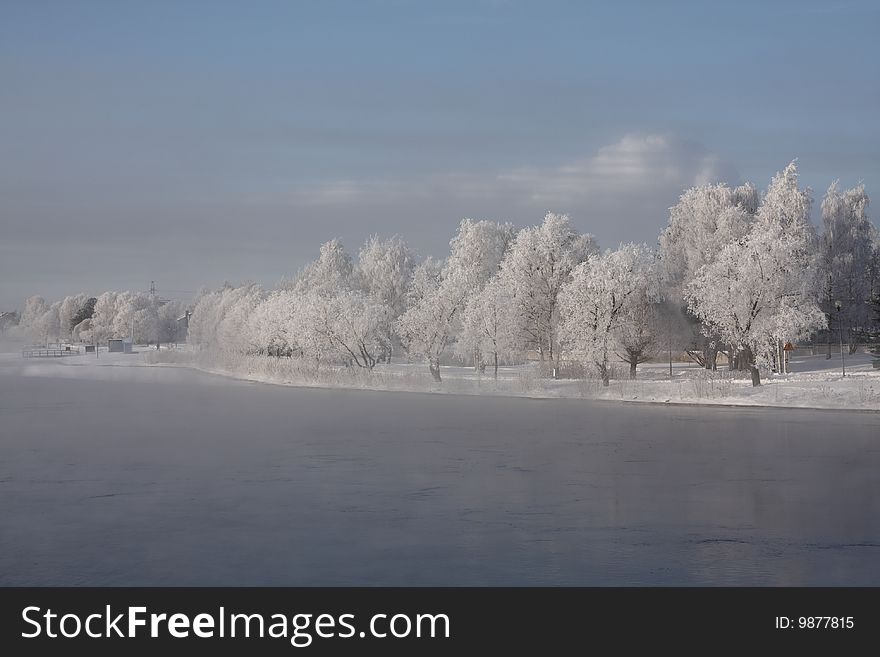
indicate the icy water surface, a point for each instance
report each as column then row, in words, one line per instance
column 159, row 476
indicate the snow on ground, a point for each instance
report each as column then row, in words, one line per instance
column 814, row 381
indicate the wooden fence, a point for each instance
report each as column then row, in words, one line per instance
column 49, row 353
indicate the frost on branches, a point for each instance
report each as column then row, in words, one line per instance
column 760, row 290
column 488, row 328
column 734, row 273
column 440, row 294
column 847, row 261
column 540, row 262
column 87, row 319
column 701, row 224
column 606, row 295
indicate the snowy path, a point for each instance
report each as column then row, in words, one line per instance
column 168, row 476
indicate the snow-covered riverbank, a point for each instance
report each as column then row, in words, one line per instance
column 815, row 382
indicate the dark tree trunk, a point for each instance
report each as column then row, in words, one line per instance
column 632, row 369
column 710, row 358
column 756, row 375
column 749, row 359
column 496, row 364
column 434, row 368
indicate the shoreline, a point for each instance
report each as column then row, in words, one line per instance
column 325, row 386
column 475, row 387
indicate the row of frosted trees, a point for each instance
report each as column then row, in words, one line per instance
column 82, row 318
column 734, row 272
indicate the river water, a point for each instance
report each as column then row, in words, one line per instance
column 164, row 476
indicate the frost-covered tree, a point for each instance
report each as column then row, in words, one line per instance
column 220, row 319
column 102, row 319
column 343, row 328
column 167, row 314
column 846, row 253
column 476, row 252
column 50, row 322
column 137, row 316
column 35, row 308
column 639, row 331
column 426, row 328
column 86, row 311
column 438, row 296
column 70, row 309
column 356, row 327
column 40, row 320
column 8, row 321
column 272, row 326
column 331, row 272
column 487, row 327
column 705, row 220
column 537, row 266
column 385, row 270
column 760, row 290
column 595, row 303
column 786, row 205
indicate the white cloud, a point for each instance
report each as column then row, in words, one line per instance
column 620, row 192
column 635, row 164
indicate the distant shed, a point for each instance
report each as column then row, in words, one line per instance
column 119, row 345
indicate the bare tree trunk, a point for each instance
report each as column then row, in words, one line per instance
column 496, row 364
column 632, row 369
column 604, row 373
column 434, row 368
column 756, row 375
column 749, row 358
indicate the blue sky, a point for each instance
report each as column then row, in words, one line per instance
column 191, row 142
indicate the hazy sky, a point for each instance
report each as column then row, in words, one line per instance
column 190, row 142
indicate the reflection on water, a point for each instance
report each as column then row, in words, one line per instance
column 152, row 477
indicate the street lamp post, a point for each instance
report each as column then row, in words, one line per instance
column 840, row 333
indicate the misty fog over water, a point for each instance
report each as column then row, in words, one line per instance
column 168, row 476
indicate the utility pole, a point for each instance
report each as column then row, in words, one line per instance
column 840, row 333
